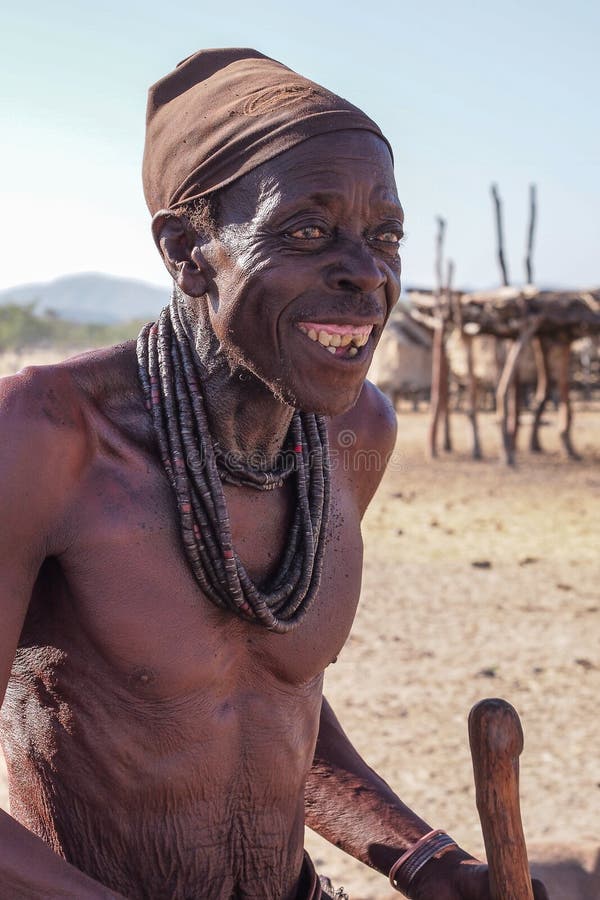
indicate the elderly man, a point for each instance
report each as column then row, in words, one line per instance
column 180, row 559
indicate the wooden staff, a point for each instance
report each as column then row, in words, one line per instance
column 496, row 740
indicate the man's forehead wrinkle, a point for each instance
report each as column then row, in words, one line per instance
column 388, row 197
column 298, row 182
column 383, row 199
column 268, row 198
column 248, row 199
column 318, row 165
column 320, row 175
column 378, row 193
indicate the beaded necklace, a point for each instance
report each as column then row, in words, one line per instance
column 170, row 374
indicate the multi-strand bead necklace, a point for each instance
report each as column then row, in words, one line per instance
column 171, row 376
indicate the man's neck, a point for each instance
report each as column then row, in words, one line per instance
column 246, row 419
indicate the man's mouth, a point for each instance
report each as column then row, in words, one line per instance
column 344, row 341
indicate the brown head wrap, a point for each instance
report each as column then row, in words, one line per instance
column 221, row 113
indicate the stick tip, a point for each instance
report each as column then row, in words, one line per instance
column 499, row 721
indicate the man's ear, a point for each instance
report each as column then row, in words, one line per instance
column 181, row 249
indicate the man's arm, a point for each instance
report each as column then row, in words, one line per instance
column 41, row 455
column 346, row 802
column 30, row 870
column 375, row 826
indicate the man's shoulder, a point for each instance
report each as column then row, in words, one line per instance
column 38, row 396
column 41, row 419
column 57, row 398
column 370, row 425
column 46, row 411
column 362, row 441
column 53, row 419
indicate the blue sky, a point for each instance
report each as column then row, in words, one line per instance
column 468, row 93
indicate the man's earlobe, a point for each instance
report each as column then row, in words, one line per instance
column 178, row 245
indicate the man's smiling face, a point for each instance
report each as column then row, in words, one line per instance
column 305, row 268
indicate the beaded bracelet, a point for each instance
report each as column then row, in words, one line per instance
column 429, row 846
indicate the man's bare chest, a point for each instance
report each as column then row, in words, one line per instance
column 128, row 585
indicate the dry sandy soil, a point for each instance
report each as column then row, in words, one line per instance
column 435, row 633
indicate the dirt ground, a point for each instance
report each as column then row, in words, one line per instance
column 435, row 633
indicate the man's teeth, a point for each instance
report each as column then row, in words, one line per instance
column 331, row 341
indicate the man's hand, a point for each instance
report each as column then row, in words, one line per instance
column 458, row 876
column 351, row 806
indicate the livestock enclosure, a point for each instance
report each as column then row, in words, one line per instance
column 553, row 369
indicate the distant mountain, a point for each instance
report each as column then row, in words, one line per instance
column 91, row 297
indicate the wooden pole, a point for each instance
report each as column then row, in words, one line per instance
column 531, row 233
column 436, row 387
column 585, row 358
column 439, row 258
column 500, row 235
column 446, row 399
column 506, row 379
column 565, row 413
column 472, row 395
column 437, row 359
column 446, row 365
column 514, row 409
column 467, row 342
column 496, row 740
column 499, row 359
column 542, row 391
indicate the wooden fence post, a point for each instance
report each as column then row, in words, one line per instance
column 505, row 383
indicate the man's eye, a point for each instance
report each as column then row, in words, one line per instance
column 389, row 237
column 308, row 233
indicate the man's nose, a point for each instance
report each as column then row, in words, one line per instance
column 355, row 270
